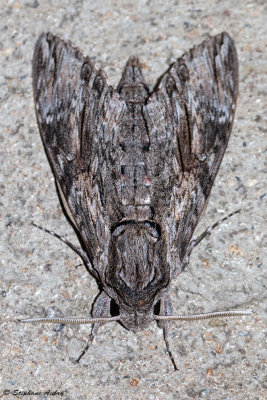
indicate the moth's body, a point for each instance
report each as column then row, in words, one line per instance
column 135, row 168
column 138, row 268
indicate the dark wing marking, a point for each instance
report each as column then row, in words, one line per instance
column 78, row 116
column 190, row 116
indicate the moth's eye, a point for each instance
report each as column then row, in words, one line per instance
column 157, row 308
column 114, row 308
column 86, row 72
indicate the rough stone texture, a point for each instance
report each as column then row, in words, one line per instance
column 221, row 359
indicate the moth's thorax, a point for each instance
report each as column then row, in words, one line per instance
column 137, row 270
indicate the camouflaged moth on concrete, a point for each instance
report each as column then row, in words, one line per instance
column 135, row 168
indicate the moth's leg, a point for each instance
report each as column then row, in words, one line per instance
column 166, row 309
column 101, row 308
column 77, row 250
column 196, row 241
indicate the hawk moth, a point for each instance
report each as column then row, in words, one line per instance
column 134, row 167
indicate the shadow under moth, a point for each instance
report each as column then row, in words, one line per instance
column 134, row 168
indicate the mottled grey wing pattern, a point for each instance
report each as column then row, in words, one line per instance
column 191, row 115
column 186, row 123
column 78, row 116
column 135, row 169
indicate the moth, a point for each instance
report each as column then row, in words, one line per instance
column 134, row 168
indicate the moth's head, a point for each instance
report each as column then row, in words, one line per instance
column 145, row 311
column 137, row 318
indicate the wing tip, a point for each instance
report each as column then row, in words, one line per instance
column 48, row 37
column 133, row 62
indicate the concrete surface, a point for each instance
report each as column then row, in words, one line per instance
column 221, row 359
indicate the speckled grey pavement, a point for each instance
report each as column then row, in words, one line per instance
column 217, row 359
